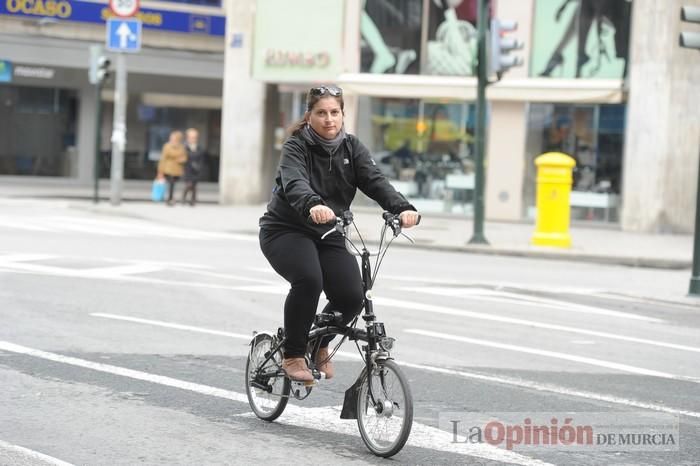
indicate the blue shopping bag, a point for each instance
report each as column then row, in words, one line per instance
column 158, row 190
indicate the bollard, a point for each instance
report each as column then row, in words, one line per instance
column 554, row 178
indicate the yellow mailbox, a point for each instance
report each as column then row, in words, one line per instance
column 554, row 177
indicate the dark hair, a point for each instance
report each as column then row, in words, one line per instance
column 312, row 99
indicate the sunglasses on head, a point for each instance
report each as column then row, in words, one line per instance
column 322, row 90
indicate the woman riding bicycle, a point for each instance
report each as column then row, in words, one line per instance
column 318, row 175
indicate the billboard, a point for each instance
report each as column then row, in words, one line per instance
column 581, row 38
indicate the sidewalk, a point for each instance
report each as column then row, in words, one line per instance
column 437, row 231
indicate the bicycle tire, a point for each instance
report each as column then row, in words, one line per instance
column 268, row 406
column 395, row 424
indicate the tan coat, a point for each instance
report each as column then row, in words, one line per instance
column 172, row 159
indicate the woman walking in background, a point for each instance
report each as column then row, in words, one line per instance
column 193, row 166
column 172, row 161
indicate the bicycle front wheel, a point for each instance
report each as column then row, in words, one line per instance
column 385, row 409
column 268, row 393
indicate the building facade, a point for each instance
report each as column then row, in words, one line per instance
column 603, row 81
column 48, row 113
column 406, row 68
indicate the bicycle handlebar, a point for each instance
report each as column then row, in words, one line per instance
column 343, row 221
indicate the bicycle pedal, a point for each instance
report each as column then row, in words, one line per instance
column 300, row 384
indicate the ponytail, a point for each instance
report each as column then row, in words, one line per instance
column 296, row 127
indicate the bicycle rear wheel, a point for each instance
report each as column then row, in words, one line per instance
column 267, row 394
column 385, row 424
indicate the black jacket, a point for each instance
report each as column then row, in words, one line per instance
column 307, row 176
column 195, row 162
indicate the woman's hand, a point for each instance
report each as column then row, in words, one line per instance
column 409, row 218
column 321, row 214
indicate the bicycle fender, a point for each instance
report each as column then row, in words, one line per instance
column 349, row 410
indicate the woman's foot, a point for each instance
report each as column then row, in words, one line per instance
column 556, row 60
column 323, row 362
column 297, row 370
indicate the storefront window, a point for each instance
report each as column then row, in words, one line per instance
column 390, row 32
column 38, row 131
column 401, row 37
column 419, row 144
column 148, row 130
column 593, row 135
column 581, row 38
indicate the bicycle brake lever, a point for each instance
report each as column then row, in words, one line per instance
column 338, row 227
column 408, row 238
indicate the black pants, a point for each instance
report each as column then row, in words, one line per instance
column 190, row 187
column 311, row 266
column 171, row 185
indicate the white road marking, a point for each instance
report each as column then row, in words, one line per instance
column 7, row 258
column 160, row 323
column 120, row 273
column 322, row 419
column 552, row 354
column 403, row 304
column 492, row 284
column 524, row 300
column 517, row 383
column 31, row 454
column 115, row 228
column 544, row 387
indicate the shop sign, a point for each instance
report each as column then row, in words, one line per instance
column 89, row 12
column 288, row 48
column 5, row 71
column 36, row 72
column 290, row 58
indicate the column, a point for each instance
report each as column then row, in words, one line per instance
column 662, row 136
column 243, row 112
column 86, row 135
column 505, row 160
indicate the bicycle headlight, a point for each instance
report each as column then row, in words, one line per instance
column 387, row 343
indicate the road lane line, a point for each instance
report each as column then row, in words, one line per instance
column 31, row 454
column 556, row 389
column 12, row 258
column 502, row 380
column 402, row 304
column 524, row 300
column 322, row 419
column 160, row 323
column 552, row 354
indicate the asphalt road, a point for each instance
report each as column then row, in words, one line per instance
column 124, row 342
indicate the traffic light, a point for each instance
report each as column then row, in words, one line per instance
column 99, row 65
column 501, row 45
column 690, row 14
column 103, row 68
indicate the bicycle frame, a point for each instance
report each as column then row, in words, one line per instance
column 373, row 334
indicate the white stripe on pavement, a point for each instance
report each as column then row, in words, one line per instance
column 559, row 390
column 31, row 454
column 402, row 304
column 552, row 354
column 322, row 419
column 507, row 381
column 159, row 323
column 524, row 300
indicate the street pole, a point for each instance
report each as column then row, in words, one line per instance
column 695, row 274
column 478, row 236
column 118, row 131
column 98, row 140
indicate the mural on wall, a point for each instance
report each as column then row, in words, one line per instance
column 581, row 38
column 390, row 36
column 452, row 38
